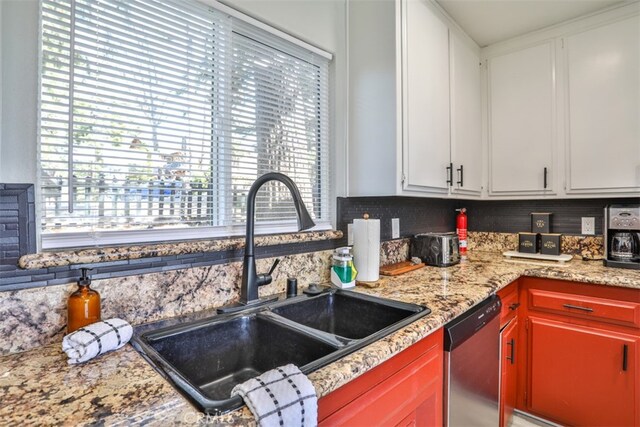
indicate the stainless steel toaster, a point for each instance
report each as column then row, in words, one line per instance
column 437, row 249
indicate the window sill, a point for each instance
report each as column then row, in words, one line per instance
column 119, row 253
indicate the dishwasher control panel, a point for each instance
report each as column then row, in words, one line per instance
column 464, row 326
column 489, row 311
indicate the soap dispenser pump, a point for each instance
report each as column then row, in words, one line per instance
column 83, row 307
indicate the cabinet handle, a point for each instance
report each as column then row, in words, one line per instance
column 514, row 306
column 577, row 307
column 450, row 174
column 545, row 178
column 512, row 343
column 625, row 354
column 461, row 172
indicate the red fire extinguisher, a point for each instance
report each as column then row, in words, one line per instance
column 461, row 230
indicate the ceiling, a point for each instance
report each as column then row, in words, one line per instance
column 491, row 21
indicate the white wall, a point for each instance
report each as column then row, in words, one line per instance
column 318, row 22
column 1, row 26
column 373, row 89
column 1, row 90
column 19, row 76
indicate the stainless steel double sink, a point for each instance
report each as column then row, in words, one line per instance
column 206, row 358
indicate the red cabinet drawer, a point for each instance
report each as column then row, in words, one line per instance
column 605, row 310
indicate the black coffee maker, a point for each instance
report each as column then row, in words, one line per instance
column 622, row 236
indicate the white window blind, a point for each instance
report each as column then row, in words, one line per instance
column 158, row 115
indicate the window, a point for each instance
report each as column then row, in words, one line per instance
column 156, row 116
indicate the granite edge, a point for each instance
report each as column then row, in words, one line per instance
column 129, row 252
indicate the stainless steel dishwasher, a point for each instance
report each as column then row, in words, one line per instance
column 471, row 365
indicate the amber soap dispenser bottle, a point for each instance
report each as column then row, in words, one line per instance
column 83, row 307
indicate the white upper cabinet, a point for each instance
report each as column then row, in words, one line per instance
column 602, row 93
column 426, row 135
column 521, row 121
column 400, row 105
column 553, row 113
column 566, row 100
column 466, row 117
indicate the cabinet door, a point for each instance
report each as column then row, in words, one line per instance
column 603, row 102
column 412, row 395
column 466, row 118
column 405, row 390
column 582, row 376
column 522, row 121
column 508, row 372
column 425, row 60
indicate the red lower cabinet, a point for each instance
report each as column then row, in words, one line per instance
column 582, row 375
column 579, row 353
column 509, row 347
column 508, row 371
column 406, row 390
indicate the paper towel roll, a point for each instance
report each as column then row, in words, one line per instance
column 366, row 249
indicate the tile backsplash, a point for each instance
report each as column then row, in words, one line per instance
column 419, row 215
column 512, row 216
column 17, row 224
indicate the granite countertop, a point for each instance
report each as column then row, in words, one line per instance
column 121, row 387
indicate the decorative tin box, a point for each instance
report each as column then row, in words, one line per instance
column 528, row 243
column 550, row 243
column 540, row 222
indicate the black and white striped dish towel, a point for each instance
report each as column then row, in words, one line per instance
column 96, row 339
column 281, row 397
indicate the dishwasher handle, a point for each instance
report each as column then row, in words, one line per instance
column 480, row 326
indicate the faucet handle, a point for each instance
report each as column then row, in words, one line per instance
column 265, row 279
column 273, row 266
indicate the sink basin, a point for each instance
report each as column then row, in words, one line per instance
column 347, row 314
column 206, row 358
column 209, row 358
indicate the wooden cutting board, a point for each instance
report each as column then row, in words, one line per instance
column 399, row 268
